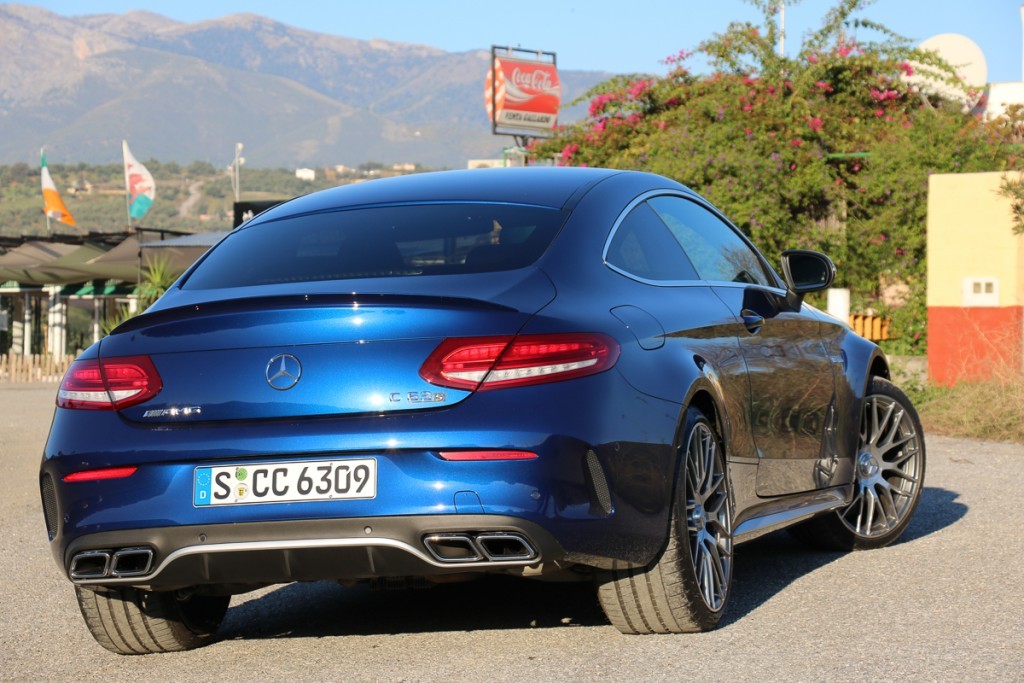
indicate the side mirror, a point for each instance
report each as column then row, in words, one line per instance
column 806, row 271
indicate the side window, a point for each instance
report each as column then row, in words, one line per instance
column 643, row 247
column 714, row 248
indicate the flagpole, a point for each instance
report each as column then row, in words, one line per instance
column 42, row 155
column 128, row 209
column 127, row 183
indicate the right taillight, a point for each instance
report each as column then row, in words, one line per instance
column 484, row 363
column 109, row 383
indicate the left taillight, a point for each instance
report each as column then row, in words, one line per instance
column 485, row 363
column 109, row 383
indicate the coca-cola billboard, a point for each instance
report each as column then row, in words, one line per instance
column 525, row 94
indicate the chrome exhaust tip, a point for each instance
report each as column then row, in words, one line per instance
column 453, row 548
column 504, row 547
column 131, row 562
column 91, row 565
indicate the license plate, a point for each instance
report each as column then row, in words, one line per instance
column 285, row 482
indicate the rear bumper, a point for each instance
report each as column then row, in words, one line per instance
column 600, row 486
column 311, row 550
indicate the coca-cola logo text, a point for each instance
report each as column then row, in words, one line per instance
column 537, row 80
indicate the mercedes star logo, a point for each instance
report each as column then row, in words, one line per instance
column 283, row 371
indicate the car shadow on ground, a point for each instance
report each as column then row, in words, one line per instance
column 763, row 568
column 766, row 566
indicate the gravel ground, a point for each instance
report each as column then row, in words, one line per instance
column 945, row 603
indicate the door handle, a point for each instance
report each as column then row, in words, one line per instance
column 752, row 321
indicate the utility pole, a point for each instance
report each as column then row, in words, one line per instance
column 236, row 166
column 782, row 28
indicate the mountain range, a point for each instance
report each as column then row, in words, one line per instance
column 189, row 91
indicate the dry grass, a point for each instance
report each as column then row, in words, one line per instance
column 991, row 409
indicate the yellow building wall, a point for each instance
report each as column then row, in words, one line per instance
column 970, row 235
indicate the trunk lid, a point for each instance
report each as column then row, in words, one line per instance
column 294, row 356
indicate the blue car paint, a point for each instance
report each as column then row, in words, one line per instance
column 628, row 416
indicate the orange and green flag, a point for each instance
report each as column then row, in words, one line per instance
column 53, row 205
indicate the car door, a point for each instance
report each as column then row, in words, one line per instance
column 792, row 387
column 676, row 317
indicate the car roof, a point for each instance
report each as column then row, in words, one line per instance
column 540, row 186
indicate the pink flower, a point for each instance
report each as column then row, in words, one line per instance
column 661, row 125
column 856, row 167
column 879, row 113
column 569, row 150
column 907, row 69
column 813, row 58
column 638, row 88
column 796, row 143
column 748, row 107
column 747, row 80
column 824, row 86
column 680, row 56
column 844, row 49
column 815, row 124
column 883, row 95
column 600, row 102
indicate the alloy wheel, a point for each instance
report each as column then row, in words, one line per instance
column 889, row 469
column 708, row 516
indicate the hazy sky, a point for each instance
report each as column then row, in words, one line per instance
column 620, row 36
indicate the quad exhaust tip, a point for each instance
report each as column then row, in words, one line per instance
column 100, row 564
column 461, row 548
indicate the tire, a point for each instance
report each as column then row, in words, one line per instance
column 686, row 589
column 889, row 469
column 131, row 621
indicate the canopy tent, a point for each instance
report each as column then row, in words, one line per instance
column 66, row 268
column 120, row 263
column 52, row 263
column 21, row 264
column 49, row 279
column 182, row 252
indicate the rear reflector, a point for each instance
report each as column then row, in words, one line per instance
column 109, row 383
column 96, row 475
column 484, row 363
column 487, row 455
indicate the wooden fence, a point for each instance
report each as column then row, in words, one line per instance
column 873, row 327
column 17, row 369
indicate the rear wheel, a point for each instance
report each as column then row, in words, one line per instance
column 131, row 621
column 889, row 476
column 686, row 588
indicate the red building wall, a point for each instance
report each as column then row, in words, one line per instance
column 974, row 343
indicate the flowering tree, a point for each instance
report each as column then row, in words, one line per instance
column 829, row 151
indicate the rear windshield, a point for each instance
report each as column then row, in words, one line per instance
column 387, row 241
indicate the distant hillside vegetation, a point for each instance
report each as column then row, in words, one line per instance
column 192, row 198
column 181, row 92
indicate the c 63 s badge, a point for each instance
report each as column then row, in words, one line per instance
column 417, row 397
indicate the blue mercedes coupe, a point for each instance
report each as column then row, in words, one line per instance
column 545, row 372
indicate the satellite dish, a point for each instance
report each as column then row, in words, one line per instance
column 960, row 52
column 963, row 54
